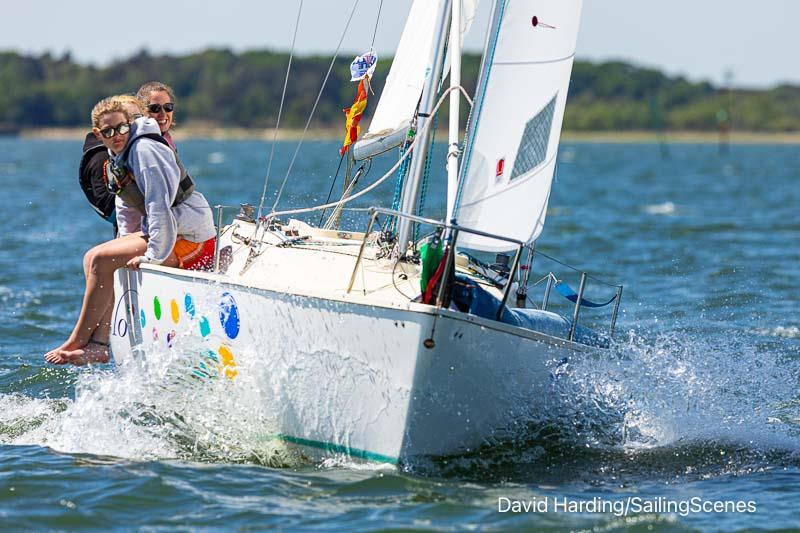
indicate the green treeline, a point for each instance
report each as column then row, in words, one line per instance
column 219, row 87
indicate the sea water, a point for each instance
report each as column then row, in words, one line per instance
column 691, row 420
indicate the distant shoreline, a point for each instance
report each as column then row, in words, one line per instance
column 218, row 133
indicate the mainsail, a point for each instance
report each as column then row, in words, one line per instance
column 513, row 137
column 403, row 87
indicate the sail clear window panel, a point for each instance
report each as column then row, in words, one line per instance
column 535, row 139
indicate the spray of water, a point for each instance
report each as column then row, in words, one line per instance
column 674, row 405
column 173, row 406
column 674, row 392
column 680, row 388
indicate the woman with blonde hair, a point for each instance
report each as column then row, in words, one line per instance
column 177, row 226
column 92, row 179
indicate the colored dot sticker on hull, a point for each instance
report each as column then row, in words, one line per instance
column 174, row 311
column 188, row 305
column 205, row 328
column 157, row 308
column 142, row 318
column 171, row 337
column 229, row 315
column 228, row 362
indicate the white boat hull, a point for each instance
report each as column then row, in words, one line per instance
column 375, row 382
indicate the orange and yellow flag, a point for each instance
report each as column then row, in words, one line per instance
column 353, row 117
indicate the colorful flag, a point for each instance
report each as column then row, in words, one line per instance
column 363, row 66
column 353, row 117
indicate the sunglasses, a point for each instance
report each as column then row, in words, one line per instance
column 122, row 128
column 169, row 107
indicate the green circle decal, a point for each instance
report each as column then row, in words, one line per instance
column 157, row 308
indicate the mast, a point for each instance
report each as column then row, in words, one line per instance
column 417, row 165
column 455, row 99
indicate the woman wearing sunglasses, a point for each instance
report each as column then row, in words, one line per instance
column 91, row 176
column 159, row 99
column 177, row 228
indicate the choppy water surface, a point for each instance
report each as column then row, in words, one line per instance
column 697, row 399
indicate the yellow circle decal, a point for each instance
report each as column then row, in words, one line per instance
column 228, row 362
column 176, row 315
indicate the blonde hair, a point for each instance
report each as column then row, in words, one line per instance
column 106, row 106
column 129, row 99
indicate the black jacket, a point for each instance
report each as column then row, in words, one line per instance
column 90, row 176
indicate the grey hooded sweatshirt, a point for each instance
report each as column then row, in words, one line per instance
column 157, row 175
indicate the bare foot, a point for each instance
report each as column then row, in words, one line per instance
column 51, row 355
column 93, row 352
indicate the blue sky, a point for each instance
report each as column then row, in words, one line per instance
column 701, row 39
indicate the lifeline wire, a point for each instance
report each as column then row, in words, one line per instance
column 280, row 111
column 313, row 109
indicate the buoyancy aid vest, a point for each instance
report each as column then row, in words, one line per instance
column 122, row 182
column 103, row 207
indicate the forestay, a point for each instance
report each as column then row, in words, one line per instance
column 512, row 142
column 403, row 87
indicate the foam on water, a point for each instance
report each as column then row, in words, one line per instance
column 677, row 389
column 666, row 208
column 669, row 407
column 786, row 332
column 160, row 410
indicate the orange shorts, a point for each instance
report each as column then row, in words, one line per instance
column 195, row 255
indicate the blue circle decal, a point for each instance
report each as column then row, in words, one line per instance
column 229, row 315
column 141, row 317
column 188, row 304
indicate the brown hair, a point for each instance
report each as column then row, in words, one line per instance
column 108, row 105
column 149, row 88
column 154, row 86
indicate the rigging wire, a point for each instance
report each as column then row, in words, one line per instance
column 333, row 182
column 316, row 102
column 280, row 111
column 362, row 172
column 276, row 214
column 377, row 20
column 336, row 175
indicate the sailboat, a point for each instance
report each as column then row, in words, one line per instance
column 370, row 341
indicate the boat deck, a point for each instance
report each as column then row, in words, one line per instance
column 300, row 259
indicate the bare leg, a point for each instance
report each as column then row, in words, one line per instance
column 100, row 264
column 96, row 350
column 103, row 331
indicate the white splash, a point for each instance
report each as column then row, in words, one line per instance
column 666, row 208
column 786, row 332
column 677, row 389
column 163, row 410
column 216, row 158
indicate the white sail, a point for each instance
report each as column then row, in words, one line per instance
column 403, row 87
column 513, row 141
